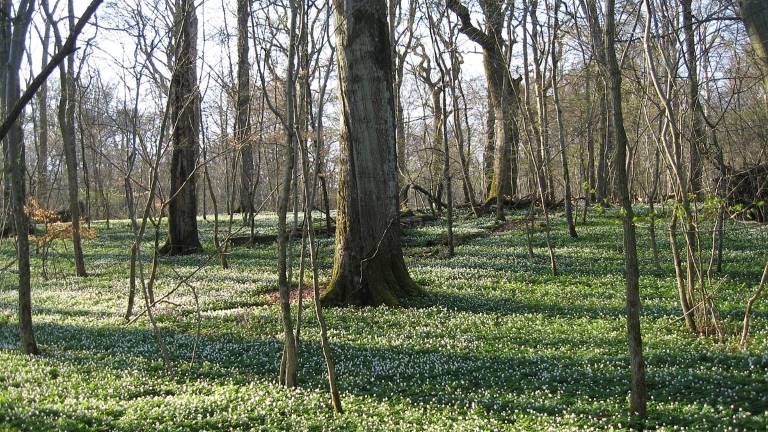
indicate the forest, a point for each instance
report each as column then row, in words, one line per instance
column 383, row 215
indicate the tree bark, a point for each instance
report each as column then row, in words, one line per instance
column 41, row 191
column 66, row 117
column 13, row 49
column 242, row 118
column 561, row 126
column 698, row 137
column 754, row 13
column 502, row 91
column 637, row 400
column 185, row 122
column 368, row 266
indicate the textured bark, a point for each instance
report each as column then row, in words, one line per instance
column 637, row 399
column 15, row 31
column 698, row 137
column 185, row 122
column 502, row 93
column 490, row 148
column 368, row 266
column 242, row 118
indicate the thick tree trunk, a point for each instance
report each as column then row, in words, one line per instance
column 242, row 119
column 490, row 147
column 502, row 95
column 13, row 49
column 185, row 119
column 438, row 156
column 754, row 13
column 368, row 266
column 637, row 400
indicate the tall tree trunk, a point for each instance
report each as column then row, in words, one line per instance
column 41, row 191
column 289, row 362
column 561, row 127
column 14, row 32
column 490, row 147
column 368, row 266
column 596, row 34
column 185, row 120
column 66, row 117
column 243, row 116
column 698, row 137
column 637, row 400
column 503, row 100
column 754, row 13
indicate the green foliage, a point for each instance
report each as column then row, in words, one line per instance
column 495, row 344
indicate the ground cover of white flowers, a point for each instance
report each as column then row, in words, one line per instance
column 496, row 343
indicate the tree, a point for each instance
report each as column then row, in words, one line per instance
column 754, row 13
column 637, row 400
column 185, row 123
column 41, row 190
column 14, row 32
column 502, row 91
column 66, row 118
column 555, row 47
column 368, row 265
column 243, row 115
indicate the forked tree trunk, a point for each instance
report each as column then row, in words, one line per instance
column 368, row 266
column 185, row 122
column 637, row 399
column 14, row 143
column 502, row 95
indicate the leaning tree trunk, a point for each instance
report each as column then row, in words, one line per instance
column 14, row 143
column 637, row 398
column 185, row 120
column 368, row 266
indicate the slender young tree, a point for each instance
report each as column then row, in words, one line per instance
column 556, row 53
column 66, row 118
column 368, row 266
column 185, row 123
column 637, row 400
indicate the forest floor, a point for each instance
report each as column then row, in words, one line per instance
column 496, row 343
